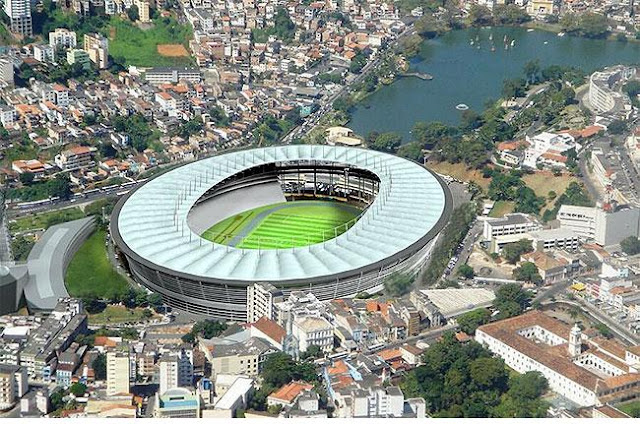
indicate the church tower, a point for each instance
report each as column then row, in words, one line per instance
column 575, row 341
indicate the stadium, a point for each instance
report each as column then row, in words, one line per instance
column 332, row 220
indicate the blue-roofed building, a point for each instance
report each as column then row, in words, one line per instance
column 177, row 403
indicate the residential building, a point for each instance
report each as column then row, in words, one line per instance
column 62, row 38
column 13, row 384
column 7, row 116
column 54, row 335
column 313, row 331
column 260, row 300
column 168, row 373
column 97, row 47
column 19, row 14
column 118, row 372
column 236, row 357
column 177, row 403
column 288, row 395
column 75, row 158
column 603, row 96
column 78, row 56
column 143, row 10
column 7, row 71
column 172, row 75
column 587, row 371
column 43, row 53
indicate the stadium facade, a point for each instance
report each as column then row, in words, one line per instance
column 158, row 226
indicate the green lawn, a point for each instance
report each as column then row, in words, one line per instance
column 140, row 47
column 44, row 220
column 307, row 222
column 90, row 273
column 631, row 408
column 114, row 314
column 500, row 208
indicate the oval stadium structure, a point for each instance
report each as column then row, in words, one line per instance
column 159, row 227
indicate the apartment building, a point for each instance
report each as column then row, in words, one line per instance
column 97, row 47
column 63, row 38
column 260, row 300
column 19, row 14
column 13, row 384
column 118, row 372
column 75, row 158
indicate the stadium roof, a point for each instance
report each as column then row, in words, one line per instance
column 152, row 222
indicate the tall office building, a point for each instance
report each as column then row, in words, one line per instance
column 19, row 13
column 118, row 372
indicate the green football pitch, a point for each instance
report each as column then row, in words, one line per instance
column 284, row 225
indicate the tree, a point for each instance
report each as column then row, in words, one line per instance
column 630, row 245
column 511, row 300
column 190, row 128
column 513, row 251
column 387, row 142
column 155, row 300
column 397, row 284
column 489, row 373
column 480, row 15
column 93, row 305
column 279, row 369
column 26, row 178
column 528, row 272
column 604, row 330
column 312, row 351
column 528, row 202
column 412, row 151
column 512, row 88
column 357, row 62
column 532, row 71
column 133, row 13
column 78, row 389
column 471, row 320
column 206, row 329
column 466, row 271
column 60, row 187
column 617, row 127
column 100, row 366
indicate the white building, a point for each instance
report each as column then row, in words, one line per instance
column 43, row 53
column 513, row 223
column 19, row 13
column 586, row 371
column 260, row 300
column 371, row 402
column 548, row 148
column 313, row 331
column 62, row 38
column 118, row 373
column 603, row 96
column 605, row 228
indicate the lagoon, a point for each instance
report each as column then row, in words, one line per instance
column 462, row 73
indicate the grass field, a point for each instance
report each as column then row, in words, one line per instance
column 140, row 47
column 115, row 314
column 631, row 408
column 299, row 224
column 500, row 208
column 90, row 273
